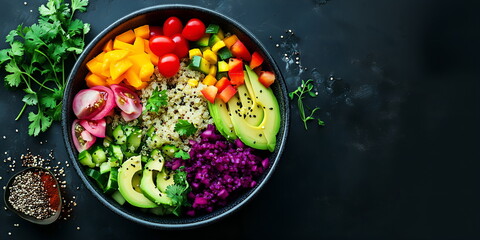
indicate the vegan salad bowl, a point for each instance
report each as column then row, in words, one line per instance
column 175, row 116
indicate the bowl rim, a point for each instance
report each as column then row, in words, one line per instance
column 102, row 197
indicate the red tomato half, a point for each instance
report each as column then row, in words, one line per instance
column 168, row 65
column 172, row 26
column 161, row 45
column 194, row 30
column 181, row 45
column 155, row 31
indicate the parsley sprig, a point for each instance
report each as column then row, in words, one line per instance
column 35, row 61
column 157, row 100
column 305, row 87
column 185, row 128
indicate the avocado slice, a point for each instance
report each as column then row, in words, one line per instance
column 125, row 186
column 262, row 136
column 265, row 98
column 148, row 186
column 221, row 118
column 164, row 180
column 251, row 111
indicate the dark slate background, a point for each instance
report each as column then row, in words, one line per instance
column 398, row 158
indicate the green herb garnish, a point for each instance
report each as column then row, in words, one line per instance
column 157, row 100
column 35, row 61
column 305, row 87
column 181, row 154
column 178, row 191
column 185, row 128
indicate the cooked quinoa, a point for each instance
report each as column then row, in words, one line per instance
column 184, row 102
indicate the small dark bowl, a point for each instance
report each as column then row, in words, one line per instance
column 156, row 15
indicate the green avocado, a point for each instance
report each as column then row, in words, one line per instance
column 125, row 176
column 147, row 185
column 263, row 135
column 251, row 111
column 221, row 118
column 164, row 179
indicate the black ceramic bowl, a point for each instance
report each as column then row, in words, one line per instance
column 156, row 15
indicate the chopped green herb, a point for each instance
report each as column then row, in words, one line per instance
column 305, row 87
column 157, row 100
column 181, row 154
column 178, row 191
column 185, row 128
column 35, row 61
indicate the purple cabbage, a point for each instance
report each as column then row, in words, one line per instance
column 217, row 168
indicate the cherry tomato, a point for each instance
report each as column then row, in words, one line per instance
column 160, row 45
column 172, row 26
column 194, row 30
column 155, row 31
column 168, row 65
column 181, row 45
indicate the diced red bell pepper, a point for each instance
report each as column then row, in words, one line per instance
column 222, row 84
column 240, row 51
column 236, row 78
column 210, row 92
column 258, row 70
column 227, row 93
column 266, row 78
column 235, row 65
column 257, row 60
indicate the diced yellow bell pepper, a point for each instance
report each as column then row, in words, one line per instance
column 229, row 41
column 142, row 31
column 117, row 80
column 134, row 80
column 217, row 46
column 213, row 70
column 126, row 37
column 210, row 56
column 194, row 52
column 146, row 71
column 223, row 66
column 192, row 82
column 209, row 80
column 119, row 45
column 95, row 66
column 100, row 57
column 115, row 55
column 220, row 34
column 139, row 45
column 120, row 67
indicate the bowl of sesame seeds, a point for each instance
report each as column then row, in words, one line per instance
column 34, row 195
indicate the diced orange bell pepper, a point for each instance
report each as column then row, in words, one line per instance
column 115, row 55
column 240, row 51
column 119, row 45
column 227, row 93
column 126, row 37
column 95, row 80
column 222, row 84
column 108, row 46
column 134, row 81
column 100, row 57
column 229, row 41
column 153, row 58
column 142, row 32
column 95, row 66
column 209, row 80
column 257, row 60
column 120, row 67
column 210, row 92
column 146, row 71
column 117, row 80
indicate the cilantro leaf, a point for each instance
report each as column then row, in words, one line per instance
column 156, row 101
column 30, row 99
column 11, row 35
column 47, row 10
column 13, row 79
column 17, row 48
column 180, row 178
column 181, row 154
column 76, row 26
column 175, row 192
column 39, row 122
column 4, row 55
column 48, row 101
column 79, row 5
column 86, row 28
column 185, row 128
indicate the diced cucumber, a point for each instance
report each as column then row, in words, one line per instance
column 145, row 158
column 195, row 63
column 134, row 140
column 99, row 156
column 100, row 179
column 203, row 42
column 116, row 152
column 117, row 196
column 119, row 135
column 107, row 141
column 213, row 39
column 169, row 150
column 128, row 130
column 212, row 28
column 129, row 154
column 224, row 53
column 105, row 167
column 157, row 141
column 112, row 182
column 150, row 132
column 85, row 158
column 199, row 64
